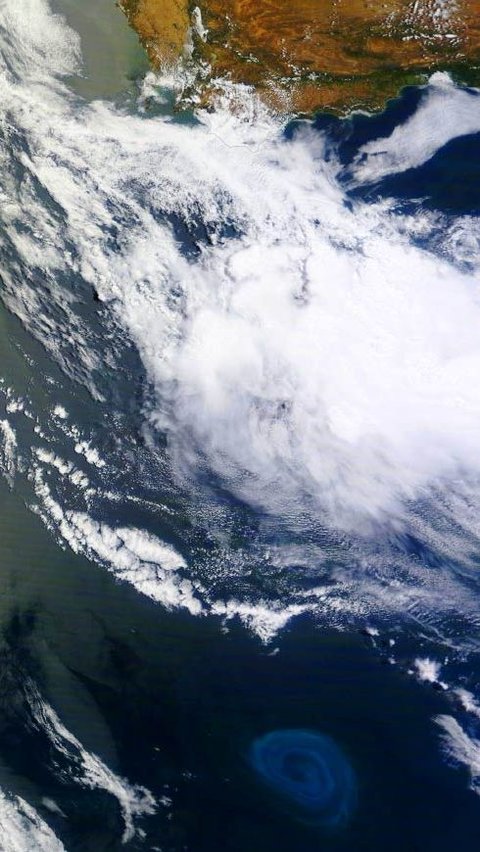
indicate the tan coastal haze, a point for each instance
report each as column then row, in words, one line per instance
column 303, row 55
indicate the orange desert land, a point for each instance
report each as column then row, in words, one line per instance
column 301, row 55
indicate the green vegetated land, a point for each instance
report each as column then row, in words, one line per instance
column 303, row 55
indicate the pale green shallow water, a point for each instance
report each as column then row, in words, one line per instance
column 166, row 699
column 66, row 598
column 111, row 51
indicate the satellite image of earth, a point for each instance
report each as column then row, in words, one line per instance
column 239, row 426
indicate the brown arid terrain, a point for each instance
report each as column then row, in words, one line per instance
column 303, row 55
column 163, row 26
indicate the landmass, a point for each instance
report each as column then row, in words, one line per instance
column 304, row 55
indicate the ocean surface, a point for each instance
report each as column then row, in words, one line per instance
column 240, row 447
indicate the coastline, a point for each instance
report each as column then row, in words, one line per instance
column 126, row 717
column 329, row 56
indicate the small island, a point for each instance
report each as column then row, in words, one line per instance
column 306, row 55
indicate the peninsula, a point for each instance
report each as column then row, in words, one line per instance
column 303, row 55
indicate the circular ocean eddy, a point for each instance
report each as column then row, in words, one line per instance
column 310, row 772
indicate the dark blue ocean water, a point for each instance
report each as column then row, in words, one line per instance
column 94, row 668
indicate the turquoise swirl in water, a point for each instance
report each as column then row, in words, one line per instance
column 310, row 772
